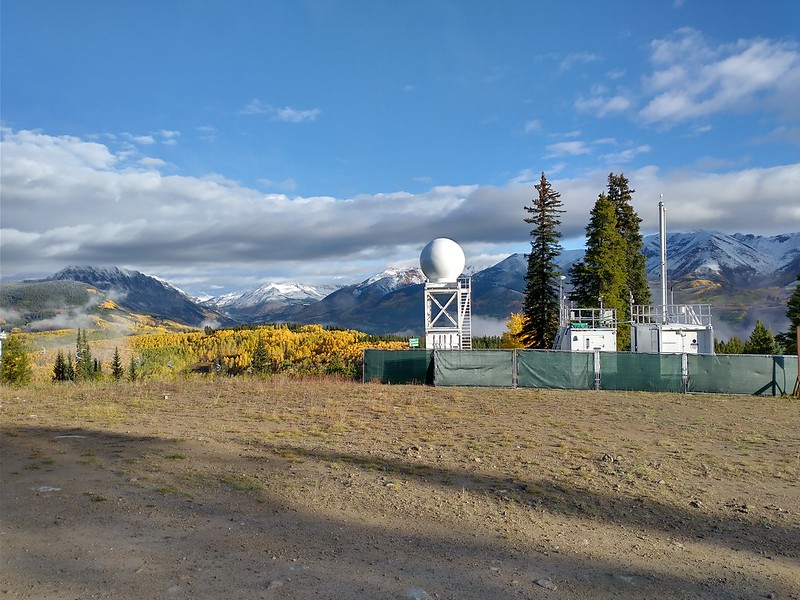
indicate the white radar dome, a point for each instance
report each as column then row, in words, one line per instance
column 442, row 260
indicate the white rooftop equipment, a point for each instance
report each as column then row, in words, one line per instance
column 670, row 328
column 586, row 330
column 448, row 296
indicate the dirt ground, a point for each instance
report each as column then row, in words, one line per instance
column 249, row 489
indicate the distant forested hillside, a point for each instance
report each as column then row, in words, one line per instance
column 27, row 301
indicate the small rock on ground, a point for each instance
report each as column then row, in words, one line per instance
column 546, row 583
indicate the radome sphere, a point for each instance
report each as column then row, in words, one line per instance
column 442, row 260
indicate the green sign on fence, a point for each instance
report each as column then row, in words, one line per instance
column 413, row 342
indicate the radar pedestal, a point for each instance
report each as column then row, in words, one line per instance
column 448, row 296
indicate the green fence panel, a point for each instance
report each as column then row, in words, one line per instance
column 475, row 368
column 555, row 370
column 742, row 374
column 399, row 366
column 642, row 372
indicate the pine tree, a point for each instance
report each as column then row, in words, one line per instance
column 732, row 346
column 116, row 365
column 87, row 368
column 260, row 361
column 60, row 368
column 788, row 340
column 761, row 341
column 541, row 303
column 15, row 364
column 70, row 368
column 133, row 373
column 600, row 277
column 628, row 225
column 83, row 358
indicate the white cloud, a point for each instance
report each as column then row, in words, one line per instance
column 625, row 156
column 168, row 137
column 256, row 107
column 693, row 79
column 291, row 115
column 286, row 114
column 786, row 134
column 602, row 105
column 68, row 201
column 577, row 58
column 144, row 139
column 701, row 129
column 567, row 149
column 533, row 125
column 154, row 163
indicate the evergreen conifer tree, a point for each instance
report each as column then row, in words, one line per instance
column 732, row 346
column 620, row 194
column 761, row 341
column 86, row 367
column 260, row 361
column 133, row 372
column 541, row 303
column 83, row 358
column 117, row 371
column 70, row 369
column 788, row 340
column 15, row 364
column 60, row 368
column 600, row 277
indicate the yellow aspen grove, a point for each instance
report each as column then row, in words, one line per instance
column 305, row 349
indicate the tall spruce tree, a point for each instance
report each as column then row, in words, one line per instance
column 788, row 339
column 84, row 364
column 260, row 361
column 600, row 277
column 117, row 371
column 60, row 372
column 70, row 368
column 541, row 303
column 620, row 194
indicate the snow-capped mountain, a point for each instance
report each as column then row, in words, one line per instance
column 142, row 293
column 389, row 280
column 376, row 305
column 727, row 259
column 390, row 301
column 743, row 277
column 272, row 301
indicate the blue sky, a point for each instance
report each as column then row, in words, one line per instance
column 223, row 145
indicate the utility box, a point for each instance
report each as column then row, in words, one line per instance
column 672, row 329
column 587, row 330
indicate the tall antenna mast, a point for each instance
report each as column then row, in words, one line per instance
column 662, row 232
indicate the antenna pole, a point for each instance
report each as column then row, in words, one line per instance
column 662, row 232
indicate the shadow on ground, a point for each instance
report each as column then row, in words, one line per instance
column 108, row 529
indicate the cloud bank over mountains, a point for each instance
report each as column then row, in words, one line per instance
column 68, row 200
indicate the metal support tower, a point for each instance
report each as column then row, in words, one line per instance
column 448, row 315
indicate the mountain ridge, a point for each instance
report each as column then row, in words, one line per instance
column 744, row 276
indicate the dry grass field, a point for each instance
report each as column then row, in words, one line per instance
column 320, row 488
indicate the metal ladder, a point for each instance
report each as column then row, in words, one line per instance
column 466, row 315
